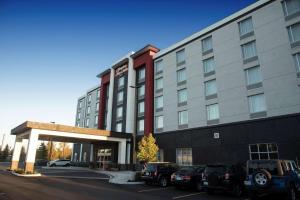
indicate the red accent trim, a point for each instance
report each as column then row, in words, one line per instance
column 104, row 83
column 146, row 59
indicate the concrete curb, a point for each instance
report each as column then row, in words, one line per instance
column 27, row 175
column 68, row 168
column 121, row 177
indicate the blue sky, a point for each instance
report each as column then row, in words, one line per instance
column 51, row 51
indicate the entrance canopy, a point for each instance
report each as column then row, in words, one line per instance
column 34, row 131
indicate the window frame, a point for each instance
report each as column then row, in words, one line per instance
column 208, row 115
column 243, row 21
column 186, row 153
column 249, row 104
column 181, row 120
column 178, row 95
column 258, row 152
column 243, row 51
column 202, row 42
column 178, row 54
column 156, row 121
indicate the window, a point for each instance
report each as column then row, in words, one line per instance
column 263, row 151
column 183, row 117
column 119, row 127
column 121, row 82
column 97, row 106
column 184, row 156
column 249, row 50
column 180, row 57
column 257, row 103
column 89, row 98
column 96, row 119
column 181, row 75
column 141, row 125
column 88, row 110
column 120, row 96
column 294, row 32
column 246, row 26
column 159, row 84
column 79, row 116
column 159, row 102
column 207, row 44
column 212, row 112
column 141, row 91
column 210, row 87
column 141, row 74
column 253, row 75
column 297, row 61
column 87, row 122
column 182, row 95
column 98, row 93
column 84, row 157
column 159, row 122
column 120, row 112
column 141, row 107
column 209, row 65
column 80, row 104
column 290, row 7
column 158, row 66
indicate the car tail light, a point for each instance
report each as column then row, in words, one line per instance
column 155, row 173
column 173, row 176
column 227, row 176
column 186, row 177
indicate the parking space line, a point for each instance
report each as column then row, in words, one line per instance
column 77, row 177
column 153, row 189
column 188, row 195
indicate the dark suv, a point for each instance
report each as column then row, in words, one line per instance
column 265, row 177
column 158, row 172
column 224, row 178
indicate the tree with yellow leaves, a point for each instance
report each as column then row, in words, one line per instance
column 147, row 149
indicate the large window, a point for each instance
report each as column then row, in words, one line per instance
column 253, row 75
column 159, row 122
column 98, row 93
column 89, row 98
column 263, row 151
column 141, row 107
column 88, row 110
column 184, row 156
column 210, row 87
column 297, row 61
column 257, row 103
column 246, row 26
column 294, row 32
column 79, row 116
column 87, row 122
column 119, row 127
column 183, row 117
column 207, row 44
column 159, row 102
column 141, row 125
column 181, row 75
column 249, row 50
column 121, row 82
column 96, row 120
column 97, row 106
column 182, row 95
column 120, row 96
column 290, row 7
column 141, row 91
column 212, row 112
column 209, row 65
column 141, row 74
column 80, row 104
column 158, row 66
column 159, row 84
column 120, row 112
column 180, row 57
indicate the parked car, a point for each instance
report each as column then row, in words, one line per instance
column 224, row 178
column 158, row 172
column 188, row 177
column 60, row 162
column 265, row 177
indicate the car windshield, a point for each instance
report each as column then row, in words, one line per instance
column 187, row 169
column 219, row 169
column 270, row 166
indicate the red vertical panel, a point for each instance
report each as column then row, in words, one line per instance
column 104, row 83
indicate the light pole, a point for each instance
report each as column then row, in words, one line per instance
column 135, row 123
column 2, row 143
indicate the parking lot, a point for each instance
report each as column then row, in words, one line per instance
column 57, row 183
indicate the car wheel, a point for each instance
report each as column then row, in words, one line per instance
column 237, row 191
column 291, row 193
column 53, row 165
column 199, row 186
column 163, row 182
column 262, row 178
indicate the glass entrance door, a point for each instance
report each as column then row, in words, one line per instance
column 104, row 158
